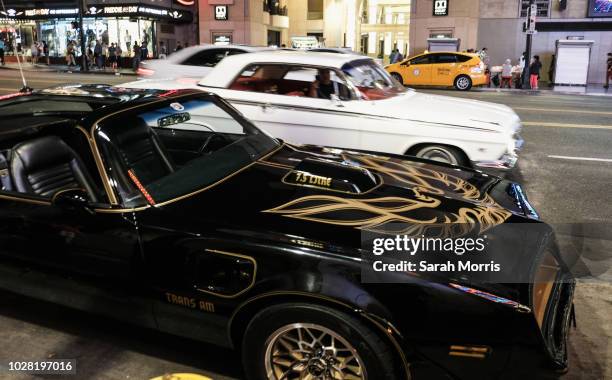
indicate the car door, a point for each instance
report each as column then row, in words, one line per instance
column 80, row 254
column 275, row 97
column 416, row 71
column 443, row 68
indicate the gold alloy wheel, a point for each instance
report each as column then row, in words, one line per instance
column 311, row 352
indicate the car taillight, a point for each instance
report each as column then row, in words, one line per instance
column 145, row 72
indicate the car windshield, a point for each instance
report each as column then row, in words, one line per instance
column 372, row 81
column 165, row 150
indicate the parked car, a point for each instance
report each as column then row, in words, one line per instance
column 460, row 70
column 366, row 108
column 191, row 62
column 172, row 211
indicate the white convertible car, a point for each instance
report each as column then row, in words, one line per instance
column 348, row 101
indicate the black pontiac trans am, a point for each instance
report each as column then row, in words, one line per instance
column 171, row 211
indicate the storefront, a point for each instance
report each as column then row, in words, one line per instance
column 124, row 25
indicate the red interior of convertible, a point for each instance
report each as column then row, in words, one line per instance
column 271, row 86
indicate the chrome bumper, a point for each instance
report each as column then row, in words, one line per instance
column 507, row 161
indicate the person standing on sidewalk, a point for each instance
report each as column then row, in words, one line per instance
column 522, row 63
column 136, row 60
column 98, row 54
column 534, row 72
column 506, row 74
column 104, row 54
column 2, row 51
column 45, row 50
column 112, row 58
column 608, row 70
column 118, row 54
column 144, row 51
column 34, row 51
column 163, row 52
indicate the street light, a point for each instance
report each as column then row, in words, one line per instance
column 532, row 12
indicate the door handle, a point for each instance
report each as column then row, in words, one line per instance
column 267, row 107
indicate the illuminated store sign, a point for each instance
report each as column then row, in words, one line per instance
column 115, row 11
column 221, row 13
column 440, row 7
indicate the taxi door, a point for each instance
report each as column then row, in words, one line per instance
column 416, row 71
column 443, row 69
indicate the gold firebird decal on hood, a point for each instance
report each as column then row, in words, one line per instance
column 415, row 214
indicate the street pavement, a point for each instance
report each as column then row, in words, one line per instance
column 565, row 168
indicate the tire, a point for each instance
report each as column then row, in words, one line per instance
column 463, row 83
column 373, row 357
column 441, row 153
column 398, row 78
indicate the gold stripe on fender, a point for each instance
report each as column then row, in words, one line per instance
column 479, row 352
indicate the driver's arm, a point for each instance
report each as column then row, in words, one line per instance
column 314, row 87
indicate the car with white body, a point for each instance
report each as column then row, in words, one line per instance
column 191, row 62
column 368, row 109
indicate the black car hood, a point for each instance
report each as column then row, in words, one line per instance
column 322, row 194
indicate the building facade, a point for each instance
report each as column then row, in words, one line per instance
column 123, row 22
column 498, row 26
column 251, row 22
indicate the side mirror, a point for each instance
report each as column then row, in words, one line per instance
column 72, row 200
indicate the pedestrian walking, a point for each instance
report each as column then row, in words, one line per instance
column 506, row 74
column 392, row 59
column 144, row 51
column 179, row 47
column 104, row 54
column 34, row 52
column 534, row 72
column 608, row 70
column 45, row 50
column 90, row 56
column 484, row 57
column 112, row 58
column 118, row 54
column 98, row 54
column 163, row 51
column 2, row 47
column 137, row 53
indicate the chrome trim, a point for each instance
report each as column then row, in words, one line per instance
column 344, row 113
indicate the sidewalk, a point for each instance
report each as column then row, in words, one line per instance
column 63, row 69
column 592, row 90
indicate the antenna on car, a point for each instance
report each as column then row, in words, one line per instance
column 25, row 87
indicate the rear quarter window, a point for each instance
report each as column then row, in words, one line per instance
column 463, row 58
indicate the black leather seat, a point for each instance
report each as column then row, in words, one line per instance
column 140, row 150
column 47, row 165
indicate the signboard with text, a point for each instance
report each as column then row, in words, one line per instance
column 440, row 7
column 221, row 13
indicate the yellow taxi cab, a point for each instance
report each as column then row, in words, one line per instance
column 461, row 70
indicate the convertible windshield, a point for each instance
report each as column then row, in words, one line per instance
column 158, row 152
column 372, row 81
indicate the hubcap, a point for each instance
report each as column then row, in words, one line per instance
column 311, row 352
column 463, row 83
column 438, row 154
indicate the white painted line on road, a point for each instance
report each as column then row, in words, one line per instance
column 562, row 110
column 563, row 125
column 582, row 158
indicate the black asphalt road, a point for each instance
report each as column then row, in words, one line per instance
column 566, row 169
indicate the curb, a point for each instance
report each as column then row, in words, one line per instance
column 546, row 91
column 50, row 70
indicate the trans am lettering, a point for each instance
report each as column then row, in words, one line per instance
column 191, row 303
